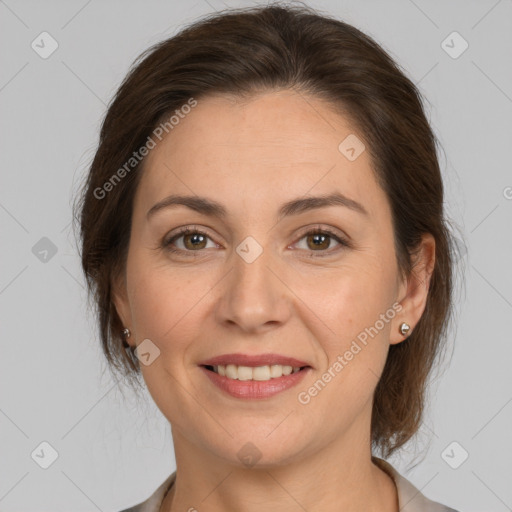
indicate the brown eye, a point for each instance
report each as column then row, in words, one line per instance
column 318, row 241
column 193, row 240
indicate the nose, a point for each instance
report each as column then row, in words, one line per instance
column 254, row 297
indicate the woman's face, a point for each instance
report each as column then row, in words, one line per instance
column 263, row 281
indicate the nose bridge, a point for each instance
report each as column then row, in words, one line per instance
column 253, row 296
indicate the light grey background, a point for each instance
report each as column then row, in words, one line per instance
column 114, row 451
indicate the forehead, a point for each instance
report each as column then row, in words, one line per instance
column 273, row 145
column 278, row 125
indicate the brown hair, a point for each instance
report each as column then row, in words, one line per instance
column 244, row 51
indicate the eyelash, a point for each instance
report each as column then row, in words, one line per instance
column 166, row 244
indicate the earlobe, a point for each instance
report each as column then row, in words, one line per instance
column 416, row 287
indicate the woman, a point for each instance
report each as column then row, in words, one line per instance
column 263, row 232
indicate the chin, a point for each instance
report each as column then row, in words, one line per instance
column 258, row 452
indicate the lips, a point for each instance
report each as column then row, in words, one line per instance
column 254, row 389
column 254, row 361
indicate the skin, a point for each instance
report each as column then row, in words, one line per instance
column 253, row 156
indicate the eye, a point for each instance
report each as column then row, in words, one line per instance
column 319, row 240
column 193, row 240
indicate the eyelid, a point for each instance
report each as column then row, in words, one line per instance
column 326, row 229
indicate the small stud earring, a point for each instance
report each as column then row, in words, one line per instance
column 126, row 334
column 404, row 328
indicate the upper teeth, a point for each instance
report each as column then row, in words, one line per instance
column 233, row 371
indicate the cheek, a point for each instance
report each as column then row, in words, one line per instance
column 164, row 299
column 354, row 305
column 165, row 307
column 347, row 299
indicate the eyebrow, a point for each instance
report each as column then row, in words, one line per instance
column 212, row 208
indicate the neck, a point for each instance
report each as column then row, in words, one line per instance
column 340, row 476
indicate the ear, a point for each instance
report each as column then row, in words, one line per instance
column 413, row 290
column 121, row 303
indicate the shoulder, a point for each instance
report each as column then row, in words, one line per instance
column 410, row 499
column 152, row 504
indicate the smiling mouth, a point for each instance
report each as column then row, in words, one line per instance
column 258, row 373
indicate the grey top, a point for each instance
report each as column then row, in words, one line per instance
column 410, row 499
